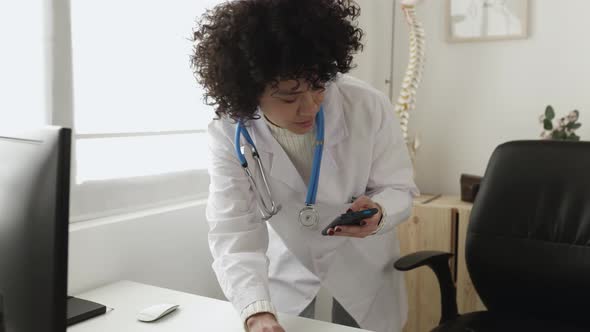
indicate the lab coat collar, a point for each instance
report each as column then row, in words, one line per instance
column 281, row 167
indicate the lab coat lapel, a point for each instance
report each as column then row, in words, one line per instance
column 275, row 159
column 336, row 130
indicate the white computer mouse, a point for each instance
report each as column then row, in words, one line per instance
column 155, row 312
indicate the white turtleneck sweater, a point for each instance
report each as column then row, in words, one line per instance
column 298, row 147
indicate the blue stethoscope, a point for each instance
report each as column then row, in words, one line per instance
column 308, row 216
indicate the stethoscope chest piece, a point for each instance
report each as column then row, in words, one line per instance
column 309, row 217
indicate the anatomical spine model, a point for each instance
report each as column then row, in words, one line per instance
column 407, row 96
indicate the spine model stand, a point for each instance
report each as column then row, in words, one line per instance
column 407, row 96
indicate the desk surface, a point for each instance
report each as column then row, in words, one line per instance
column 196, row 313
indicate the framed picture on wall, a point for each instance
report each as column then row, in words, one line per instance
column 481, row 20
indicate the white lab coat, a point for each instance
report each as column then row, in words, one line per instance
column 286, row 263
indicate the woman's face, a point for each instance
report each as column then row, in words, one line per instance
column 292, row 105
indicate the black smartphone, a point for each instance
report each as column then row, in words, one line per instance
column 351, row 218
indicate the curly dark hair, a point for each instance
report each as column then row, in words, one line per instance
column 242, row 46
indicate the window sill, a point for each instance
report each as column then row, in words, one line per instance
column 90, row 221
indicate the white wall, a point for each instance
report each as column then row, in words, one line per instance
column 475, row 96
column 167, row 248
column 375, row 61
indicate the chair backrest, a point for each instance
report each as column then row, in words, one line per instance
column 528, row 242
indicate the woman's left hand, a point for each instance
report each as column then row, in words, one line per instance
column 370, row 226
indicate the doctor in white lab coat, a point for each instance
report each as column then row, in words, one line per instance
column 279, row 264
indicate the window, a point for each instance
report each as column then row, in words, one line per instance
column 23, row 100
column 139, row 117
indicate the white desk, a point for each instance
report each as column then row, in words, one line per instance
column 196, row 313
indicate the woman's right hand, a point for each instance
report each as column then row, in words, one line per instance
column 263, row 322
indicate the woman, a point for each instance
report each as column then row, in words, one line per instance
column 278, row 68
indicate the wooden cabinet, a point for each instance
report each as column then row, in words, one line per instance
column 438, row 224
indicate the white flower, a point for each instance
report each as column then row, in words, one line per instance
column 573, row 116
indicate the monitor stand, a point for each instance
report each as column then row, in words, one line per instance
column 80, row 310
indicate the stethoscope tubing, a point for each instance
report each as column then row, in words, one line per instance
column 317, row 159
column 316, row 165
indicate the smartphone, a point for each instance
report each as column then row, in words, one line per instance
column 351, row 218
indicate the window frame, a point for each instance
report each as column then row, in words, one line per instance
column 96, row 199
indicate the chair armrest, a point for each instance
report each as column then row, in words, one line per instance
column 420, row 258
column 438, row 261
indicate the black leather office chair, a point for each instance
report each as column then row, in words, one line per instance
column 528, row 243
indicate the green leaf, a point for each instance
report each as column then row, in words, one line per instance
column 549, row 112
column 559, row 135
column 547, row 124
column 575, row 125
column 573, row 137
column 563, row 135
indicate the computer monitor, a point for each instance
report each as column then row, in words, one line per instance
column 34, row 203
